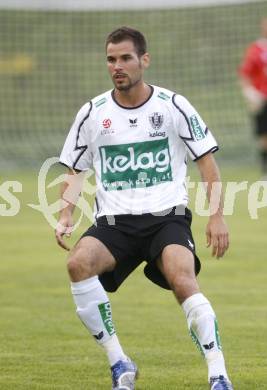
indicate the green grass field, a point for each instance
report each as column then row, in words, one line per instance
column 44, row 346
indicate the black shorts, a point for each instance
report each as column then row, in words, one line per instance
column 260, row 120
column 133, row 239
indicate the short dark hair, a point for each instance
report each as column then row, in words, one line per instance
column 128, row 34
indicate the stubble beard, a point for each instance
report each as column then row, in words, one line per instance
column 128, row 86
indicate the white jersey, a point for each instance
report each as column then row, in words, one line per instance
column 138, row 154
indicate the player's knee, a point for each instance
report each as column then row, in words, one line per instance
column 183, row 285
column 79, row 267
column 179, row 280
column 73, row 265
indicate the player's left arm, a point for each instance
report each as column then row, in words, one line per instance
column 217, row 230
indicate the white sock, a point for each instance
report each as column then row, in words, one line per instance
column 203, row 327
column 93, row 309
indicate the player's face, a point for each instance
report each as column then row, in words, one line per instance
column 124, row 65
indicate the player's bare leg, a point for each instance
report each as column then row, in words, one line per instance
column 88, row 259
column 177, row 265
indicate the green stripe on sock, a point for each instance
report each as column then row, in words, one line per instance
column 196, row 341
column 217, row 334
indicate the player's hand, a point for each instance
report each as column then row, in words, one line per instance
column 64, row 228
column 217, row 235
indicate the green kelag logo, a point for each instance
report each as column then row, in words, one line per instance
column 197, row 130
column 135, row 165
column 105, row 311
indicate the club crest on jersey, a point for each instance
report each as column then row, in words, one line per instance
column 156, row 120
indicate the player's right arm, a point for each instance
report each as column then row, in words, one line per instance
column 69, row 193
column 77, row 157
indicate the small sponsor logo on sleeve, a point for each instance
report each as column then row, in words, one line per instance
column 198, row 132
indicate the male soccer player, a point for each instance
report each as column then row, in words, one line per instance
column 253, row 77
column 136, row 137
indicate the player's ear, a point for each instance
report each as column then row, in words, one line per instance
column 145, row 60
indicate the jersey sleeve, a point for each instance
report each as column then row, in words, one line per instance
column 192, row 130
column 76, row 152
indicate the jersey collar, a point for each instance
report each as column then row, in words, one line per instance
column 133, row 108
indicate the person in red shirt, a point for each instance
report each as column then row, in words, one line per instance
column 253, row 77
